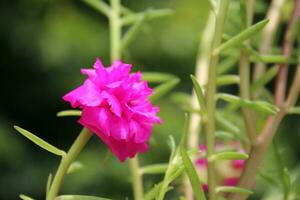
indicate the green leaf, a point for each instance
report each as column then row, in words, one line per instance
column 241, row 37
column 24, row 197
column 268, row 178
column 199, row 93
column 172, row 145
column 229, row 156
column 226, row 124
column 192, row 174
column 163, row 89
column 259, row 106
column 264, row 79
column 49, row 181
column 294, row 110
column 286, row 183
column 66, row 113
column 152, row 14
column 265, row 58
column 185, row 130
column 75, row 166
column 134, row 30
column 227, row 64
column 233, row 190
column 154, row 169
column 154, row 191
column 157, row 77
column 228, row 80
column 99, row 5
column 38, row 141
column 224, row 135
column 79, row 197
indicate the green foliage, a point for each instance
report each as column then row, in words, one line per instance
column 74, row 167
column 163, row 89
column 154, row 169
column 229, row 156
column 241, row 37
column 41, row 143
column 157, row 77
column 259, row 106
column 24, row 197
column 232, row 189
column 192, row 174
column 199, row 92
column 66, row 113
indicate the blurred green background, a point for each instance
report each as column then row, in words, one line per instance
column 44, row 43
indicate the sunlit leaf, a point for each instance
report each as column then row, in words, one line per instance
column 79, row 197
column 192, row 175
column 163, row 89
column 24, row 197
column 229, row 156
column 233, row 189
column 241, row 37
column 38, row 141
column 67, row 113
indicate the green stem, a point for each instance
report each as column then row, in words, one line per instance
column 201, row 73
column 116, row 53
column 210, row 98
column 115, row 30
column 137, row 183
column 66, row 161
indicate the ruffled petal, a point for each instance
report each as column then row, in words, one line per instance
column 86, row 95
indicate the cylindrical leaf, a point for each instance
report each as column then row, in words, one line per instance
column 233, row 190
column 241, row 37
column 154, row 169
column 66, row 113
column 192, row 174
column 38, row 141
column 163, row 89
column 229, row 156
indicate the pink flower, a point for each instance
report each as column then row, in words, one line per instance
column 115, row 106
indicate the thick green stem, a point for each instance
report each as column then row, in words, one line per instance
column 66, row 161
column 137, row 183
column 210, row 98
column 116, row 53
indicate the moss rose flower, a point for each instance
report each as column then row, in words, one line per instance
column 116, row 108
